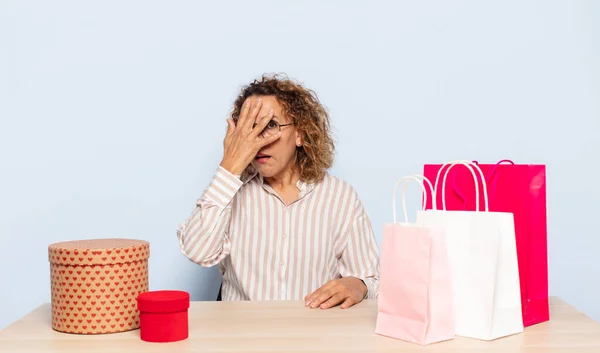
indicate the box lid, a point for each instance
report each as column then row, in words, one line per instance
column 163, row 301
column 98, row 251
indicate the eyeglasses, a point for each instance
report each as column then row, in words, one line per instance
column 272, row 128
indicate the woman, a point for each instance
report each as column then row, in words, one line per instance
column 278, row 224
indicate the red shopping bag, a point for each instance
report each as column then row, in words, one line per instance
column 521, row 190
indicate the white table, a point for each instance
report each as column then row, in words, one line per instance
column 288, row 326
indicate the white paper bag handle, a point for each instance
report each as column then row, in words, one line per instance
column 470, row 165
column 419, row 179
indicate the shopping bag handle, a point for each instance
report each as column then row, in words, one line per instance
column 418, row 178
column 471, row 166
column 489, row 177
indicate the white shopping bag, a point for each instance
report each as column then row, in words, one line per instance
column 482, row 253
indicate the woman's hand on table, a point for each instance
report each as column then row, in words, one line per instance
column 347, row 290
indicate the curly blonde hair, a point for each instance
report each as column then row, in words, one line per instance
column 316, row 154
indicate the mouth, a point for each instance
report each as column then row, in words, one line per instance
column 261, row 158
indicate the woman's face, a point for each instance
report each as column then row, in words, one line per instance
column 278, row 157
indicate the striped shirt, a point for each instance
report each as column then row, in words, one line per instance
column 268, row 250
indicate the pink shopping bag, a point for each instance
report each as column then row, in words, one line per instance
column 415, row 295
column 519, row 189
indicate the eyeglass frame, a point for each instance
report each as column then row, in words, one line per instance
column 275, row 121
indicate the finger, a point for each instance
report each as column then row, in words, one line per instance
column 251, row 117
column 317, row 292
column 322, row 297
column 348, row 303
column 230, row 127
column 245, row 111
column 333, row 301
column 308, row 296
column 263, row 120
column 268, row 140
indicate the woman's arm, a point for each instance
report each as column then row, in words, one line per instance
column 360, row 259
column 204, row 237
column 359, row 266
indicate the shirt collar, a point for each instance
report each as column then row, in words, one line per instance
column 251, row 174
